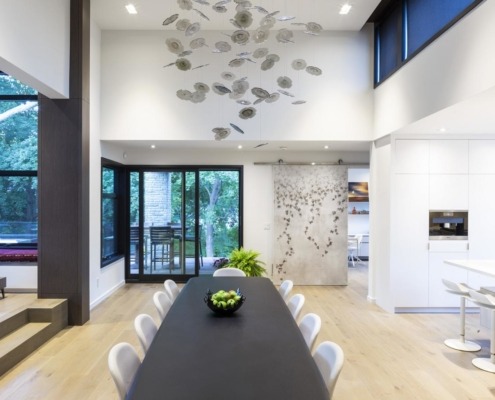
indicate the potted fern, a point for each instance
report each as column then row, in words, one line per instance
column 247, row 261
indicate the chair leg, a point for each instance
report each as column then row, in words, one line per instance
column 485, row 363
column 462, row 344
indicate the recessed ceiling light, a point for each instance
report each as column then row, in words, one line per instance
column 313, row 163
column 153, row 146
column 325, row 147
column 239, row 147
column 442, row 129
column 344, row 10
column 131, row 9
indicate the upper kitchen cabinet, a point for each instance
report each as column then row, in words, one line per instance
column 411, row 156
column 481, row 156
column 449, row 157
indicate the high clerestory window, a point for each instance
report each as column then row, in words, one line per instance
column 18, row 164
column 405, row 27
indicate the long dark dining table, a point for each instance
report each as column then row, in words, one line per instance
column 258, row 353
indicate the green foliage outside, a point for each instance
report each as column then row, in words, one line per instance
column 18, row 152
column 218, row 208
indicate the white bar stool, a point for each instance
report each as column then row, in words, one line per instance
column 461, row 290
column 487, row 301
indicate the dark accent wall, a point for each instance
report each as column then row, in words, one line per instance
column 63, row 170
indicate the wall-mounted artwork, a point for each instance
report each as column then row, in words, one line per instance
column 358, row 191
column 310, row 224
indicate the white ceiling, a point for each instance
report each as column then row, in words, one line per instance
column 111, row 14
column 228, row 145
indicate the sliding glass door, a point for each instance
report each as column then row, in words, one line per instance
column 181, row 221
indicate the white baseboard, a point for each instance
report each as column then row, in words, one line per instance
column 106, row 295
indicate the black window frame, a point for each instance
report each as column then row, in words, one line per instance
column 119, row 195
column 19, row 173
column 384, row 12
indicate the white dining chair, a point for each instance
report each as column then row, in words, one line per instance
column 171, row 289
column 228, row 271
column 310, row 327
column 123, row 362
column 285, row 289
column 146, row 330
column 461, row 290
column 329, row 357
column 162, row 304
column 295, row 305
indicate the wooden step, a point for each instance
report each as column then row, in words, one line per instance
column 22, row 331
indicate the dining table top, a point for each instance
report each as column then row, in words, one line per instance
column 256, row 353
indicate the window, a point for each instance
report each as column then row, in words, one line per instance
column 182, row 219
column 112, row 212
column 18, row 164
column 405, row 27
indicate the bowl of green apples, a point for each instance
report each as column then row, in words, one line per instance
column 224, row 302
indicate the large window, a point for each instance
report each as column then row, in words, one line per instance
column 18, row 164
column 406, row 27
column 181, row 220
column 112, row 212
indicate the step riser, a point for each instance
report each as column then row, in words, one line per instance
column 56, row 316
column 14, row 322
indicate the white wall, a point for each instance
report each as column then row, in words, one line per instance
column 455, row 67
column 139, row 99
column 379, row 289
column 34, row 44
column 105, row 280
column 20, row 277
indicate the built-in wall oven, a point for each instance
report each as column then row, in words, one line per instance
column 448, row 225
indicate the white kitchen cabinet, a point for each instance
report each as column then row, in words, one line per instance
column 364, row 248
column 449, row 157
column 481, row 156
column 409, row 240
column 481, row 216
column 437, row 296
column 411, row 156
column 449, row 192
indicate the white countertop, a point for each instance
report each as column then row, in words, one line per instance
column 486, row 267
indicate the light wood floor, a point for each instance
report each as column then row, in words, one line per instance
column 388, row 356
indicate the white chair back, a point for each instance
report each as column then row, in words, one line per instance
column 228, row 271
column 145, row 329
column 310, row 327
column 123, row 362
column 484, row 300
column 285, row 289
column 329, row 357
column 162, row 304
column 171, row 289
column 457, row 288
column 295, row 305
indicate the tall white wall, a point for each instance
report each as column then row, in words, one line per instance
column 102, row 281
column 455, row 67
column 379, row 288
column 34, row 44
column 139, row 99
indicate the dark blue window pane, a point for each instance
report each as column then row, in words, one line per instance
column 389, row 40
column 426, row 18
